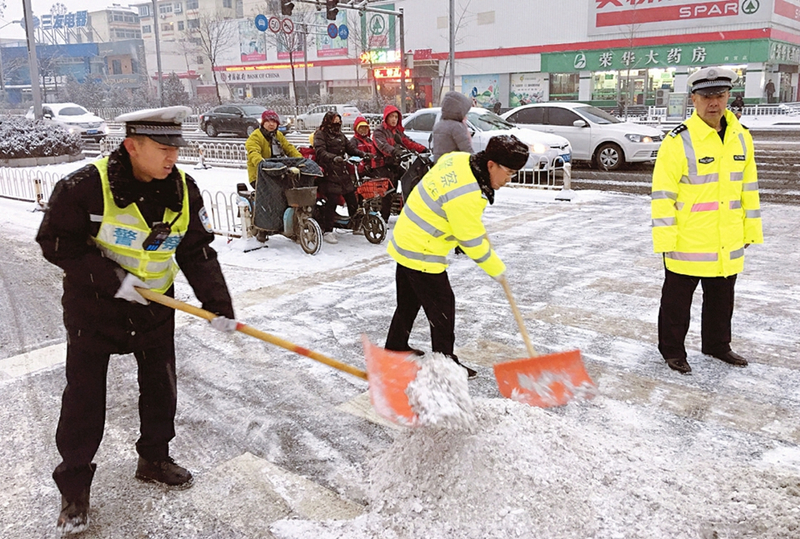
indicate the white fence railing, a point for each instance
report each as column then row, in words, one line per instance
column 34, row 185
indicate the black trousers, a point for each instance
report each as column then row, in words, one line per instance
column 675, row 313
column 433, row 293
column 83, row 411
column 331, row 201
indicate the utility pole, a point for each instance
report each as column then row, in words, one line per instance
column 452, row 56
column 402, row 62
column 158, row 55
column 33, row 64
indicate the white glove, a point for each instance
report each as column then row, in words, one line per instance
column 223, row 324
column 128, row 292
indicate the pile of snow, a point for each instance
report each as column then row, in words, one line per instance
column 439, row 395
column 598, row 469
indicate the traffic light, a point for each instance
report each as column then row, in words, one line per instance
column 330, row 9
column 287, row 7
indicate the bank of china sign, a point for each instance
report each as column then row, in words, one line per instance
column 626, row 17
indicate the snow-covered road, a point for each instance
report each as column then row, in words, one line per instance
column 280, row 443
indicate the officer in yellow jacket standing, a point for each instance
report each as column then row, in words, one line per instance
column 705, row 212
column 442, row 212
column 124, row 222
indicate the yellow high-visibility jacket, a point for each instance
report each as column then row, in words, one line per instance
column 705, row 205
column 123, row 231
column 444, row 210
column 259, row 148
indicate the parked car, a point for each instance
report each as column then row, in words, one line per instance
column 239, row 119
column 594, row 134
column 483, row 124
column 313, row 118
column 74, row 118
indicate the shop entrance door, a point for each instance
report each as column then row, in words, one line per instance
column 632, row 87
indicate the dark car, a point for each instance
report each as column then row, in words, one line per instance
column 239, row 119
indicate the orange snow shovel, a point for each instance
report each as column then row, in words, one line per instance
column 544, row 381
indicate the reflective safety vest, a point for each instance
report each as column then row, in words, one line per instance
column 705, row 205
column 124, row 230
column 444, row 211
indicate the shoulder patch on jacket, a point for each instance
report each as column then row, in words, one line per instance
column 678, row 130
column 706, row 160
column 203, row 215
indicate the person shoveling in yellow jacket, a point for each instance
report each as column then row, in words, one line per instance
column 444, row 211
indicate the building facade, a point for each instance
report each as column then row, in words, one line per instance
column 598, row 51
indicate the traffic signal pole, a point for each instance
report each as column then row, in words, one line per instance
column 361, row 5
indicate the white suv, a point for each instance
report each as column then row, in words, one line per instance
column 74, row 118
column 595, row 135
column 313, row 118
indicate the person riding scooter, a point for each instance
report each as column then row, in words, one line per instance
column 266, row 142
column 331, row 146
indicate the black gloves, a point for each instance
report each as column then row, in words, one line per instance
column 398, row 152
column 338, row 159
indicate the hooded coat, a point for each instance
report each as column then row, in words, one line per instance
column 260, row 145
column 451, row 134
column 330, row 143
column 387, row 138
column 374, row 158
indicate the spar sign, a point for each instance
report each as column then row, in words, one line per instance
column 626, row 17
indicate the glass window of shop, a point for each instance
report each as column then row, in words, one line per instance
column 604, row 86
column 741, row 70
column 564, row 86
column 660, row 79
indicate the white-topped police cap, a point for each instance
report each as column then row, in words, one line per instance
column 712, row 80
column 162, row 125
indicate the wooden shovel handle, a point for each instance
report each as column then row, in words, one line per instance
column 517, row 316
column 253, row 332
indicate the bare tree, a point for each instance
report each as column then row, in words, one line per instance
column 303, row 18
column 458, row 40
column 212, row 34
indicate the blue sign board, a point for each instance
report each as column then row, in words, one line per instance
column 261, row 23
column 332, row 31
column 343, row 31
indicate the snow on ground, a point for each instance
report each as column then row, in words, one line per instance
column 656, row 454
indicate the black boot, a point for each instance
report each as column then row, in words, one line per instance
column 164, row 471
column 74, row 484
column 679, row 364
column 471, row 373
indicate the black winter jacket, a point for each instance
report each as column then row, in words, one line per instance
column 329, row 145
column 92, row 316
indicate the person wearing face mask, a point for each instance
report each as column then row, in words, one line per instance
column 442, row 212
column 331, row 148
column 266, row 142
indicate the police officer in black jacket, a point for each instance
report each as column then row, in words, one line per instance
column 119, row 223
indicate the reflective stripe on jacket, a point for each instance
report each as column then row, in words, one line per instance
column 259, row 148
column 444, row 211
column 705, row 205
column 123, row 231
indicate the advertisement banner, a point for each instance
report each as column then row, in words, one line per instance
column 252, row 47
column 690, row 54
column 483, row 89
column 627, row 17
column 327, row 46
column 528, row 88
column 377, row 30
column 284, row 42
